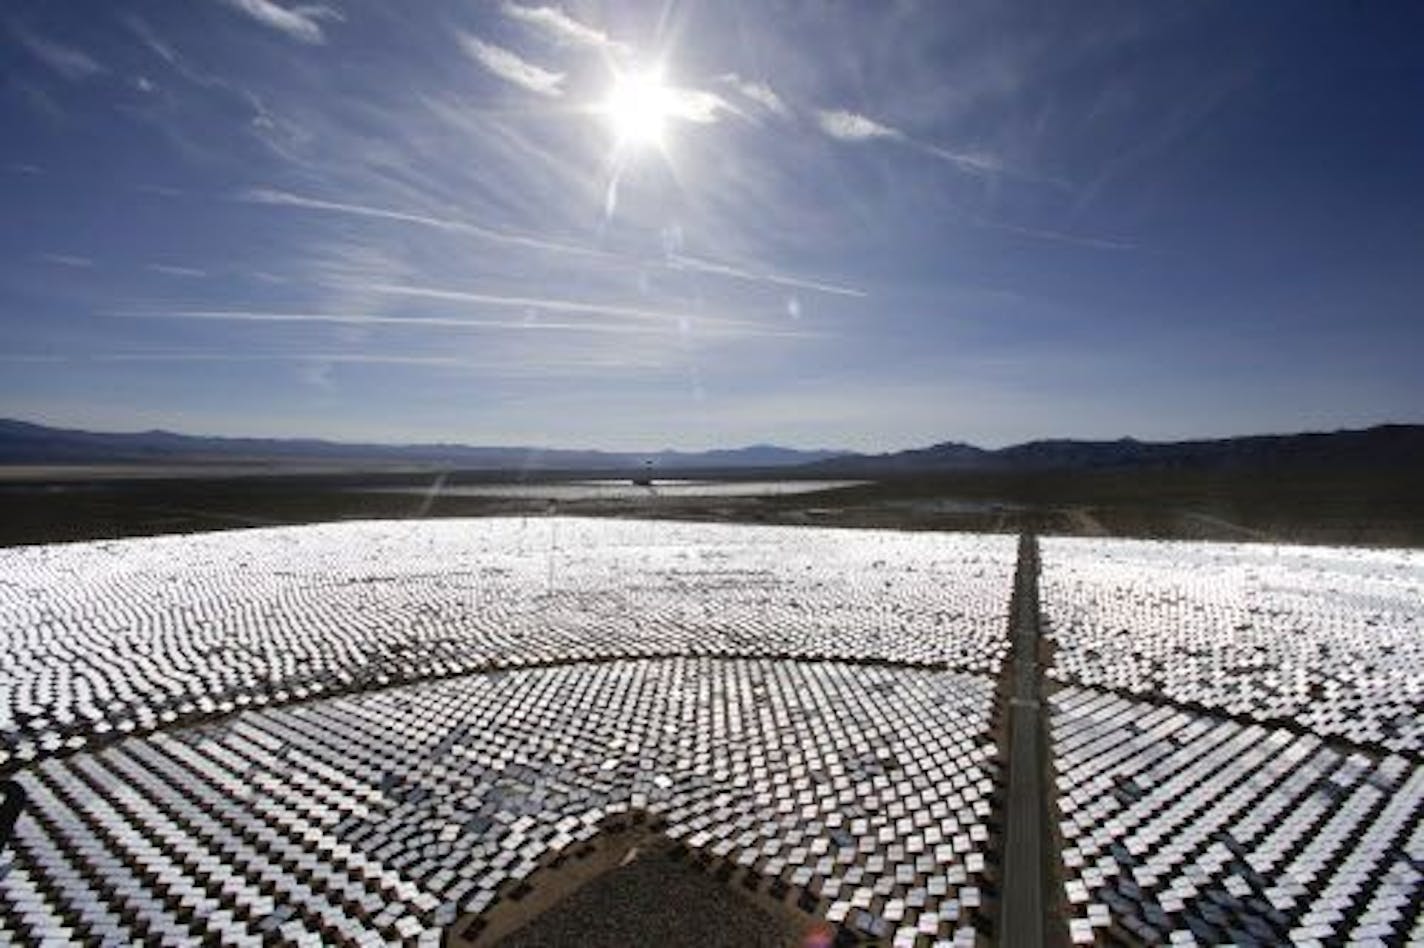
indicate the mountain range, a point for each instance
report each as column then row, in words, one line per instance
column 1385, row 445
column 1368, row 448
column 23, row 442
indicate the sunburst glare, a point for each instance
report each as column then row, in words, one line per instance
column 638, row 108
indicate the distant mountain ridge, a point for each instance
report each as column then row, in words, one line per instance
column 23, row 442
column 1399, row 445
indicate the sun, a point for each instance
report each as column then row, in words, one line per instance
column 638, row 108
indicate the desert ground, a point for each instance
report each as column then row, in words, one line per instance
column 39, row 505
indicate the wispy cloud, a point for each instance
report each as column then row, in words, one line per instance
column 1060, row 237
column 301, row 22
column 539, row 303
column 848, row 126
column 700, row 325
column 1166, row 127
column 557, row 24
column 759, row 92
column 853, row 127
column 156, row 44
column 272, row 196
column 168, row 269
column 511, row 67
column 69, row 62
column 275, row 133
column 377, row 319
column 972, row 162
column 762, row 276
column 501, row 366
column 697, row 105
column 288, row 199
column 66, row 260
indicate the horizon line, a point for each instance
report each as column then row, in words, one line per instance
column 468, row 445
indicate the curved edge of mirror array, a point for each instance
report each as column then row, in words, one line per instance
column 1200, row 829
column 1324, row 640
column 390, row 815
column 1236, row 732
column 103, row 639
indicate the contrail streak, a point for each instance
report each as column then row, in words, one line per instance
column 271, row 196
column 693, row 325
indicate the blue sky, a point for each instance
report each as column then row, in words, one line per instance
column 820, row 224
